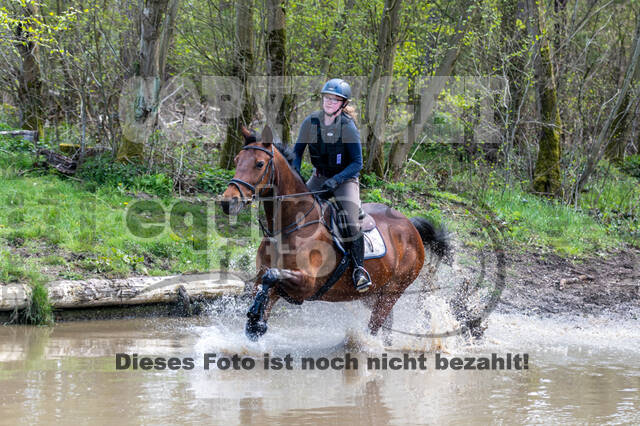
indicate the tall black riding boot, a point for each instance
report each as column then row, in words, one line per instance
column 361, row 278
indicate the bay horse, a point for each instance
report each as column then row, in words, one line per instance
column 297, row 254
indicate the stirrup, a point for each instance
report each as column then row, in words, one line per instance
column 361, row 286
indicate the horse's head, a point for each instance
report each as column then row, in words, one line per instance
column 254, row 171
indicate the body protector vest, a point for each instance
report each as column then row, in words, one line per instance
column 329, row 159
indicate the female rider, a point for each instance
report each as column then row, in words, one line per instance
column 336, row 155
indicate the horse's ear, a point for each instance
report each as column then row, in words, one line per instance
column 245, row 132
column 249, row 135
column 267, row 135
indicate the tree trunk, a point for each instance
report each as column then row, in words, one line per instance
column 559, row 35
column 547, row 171
column 595, row 151
column 165, row 37
column 277, row 68
column 242, row 67
column 157, row 18
column 513, row 38
column 619, row 130
column 620, row 125
column 333, row 43
column 380, row 86
column 30, row 83
column 423, row 108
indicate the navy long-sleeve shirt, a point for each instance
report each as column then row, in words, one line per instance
column 331, row 134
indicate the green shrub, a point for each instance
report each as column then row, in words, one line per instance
column 370, row 180
column 157, row 183
column 375, row 196
column 9, row 116
column 214, row 180
column 397, row 188
column 104, row 171
column 39, row 311
column 631, row 165
column 14, row 144
column 306, row 170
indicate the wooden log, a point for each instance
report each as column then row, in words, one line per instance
column 74, row 150
column 69, row 294
column 29, row 135
column 14, row 296
column 59, row 162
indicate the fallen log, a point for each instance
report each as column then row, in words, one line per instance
column 28, row 135
column 68, row 294
column 59, row 162
column 14, row 296
column 74, row 150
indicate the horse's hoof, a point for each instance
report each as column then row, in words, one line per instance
column 255, row 330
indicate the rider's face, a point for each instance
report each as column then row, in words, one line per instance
column 331, row 104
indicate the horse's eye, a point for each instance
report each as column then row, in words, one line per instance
column 259, row 164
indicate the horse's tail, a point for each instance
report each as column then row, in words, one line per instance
column 434, row 237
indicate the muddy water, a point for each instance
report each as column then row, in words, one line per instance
column 579, row 370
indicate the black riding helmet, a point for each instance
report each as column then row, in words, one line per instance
column 337, row 87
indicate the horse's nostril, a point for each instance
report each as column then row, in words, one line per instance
column 225, row 206
column 231, row 205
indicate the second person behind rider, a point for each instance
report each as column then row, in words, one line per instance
column 336, row 154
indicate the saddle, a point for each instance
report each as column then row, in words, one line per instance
column 374, row 245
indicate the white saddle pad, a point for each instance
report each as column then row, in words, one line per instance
column 374, row 246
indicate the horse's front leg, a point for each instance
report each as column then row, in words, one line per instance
column 265, row 298
column 295, row 283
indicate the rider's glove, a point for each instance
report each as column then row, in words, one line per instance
column 330, row 184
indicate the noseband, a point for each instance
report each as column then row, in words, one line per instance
column 270, row 167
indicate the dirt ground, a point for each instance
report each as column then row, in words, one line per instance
column 544, row 285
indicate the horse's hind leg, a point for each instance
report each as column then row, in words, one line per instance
column 382, row 309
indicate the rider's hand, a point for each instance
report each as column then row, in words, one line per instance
column 330, row 184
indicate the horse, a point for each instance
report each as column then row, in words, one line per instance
column 297, row 254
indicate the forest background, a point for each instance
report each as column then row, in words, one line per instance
column 527, row 108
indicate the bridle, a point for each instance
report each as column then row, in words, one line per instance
column 257, row 196
column 270, row 167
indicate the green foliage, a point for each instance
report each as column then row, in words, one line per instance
column 214, row 179
column 42, row 32
column 104, row 171
column 375, row 196
column 397, row 188
column 8, row 117
column 632, row 165
column 306, row 170
column 12, row 163
column 39, row 311
column 14, row 144
column 411, row 204
column 537, row 222
column 117, row 261
column 156, row 183
column 613, row 200
column 370, row 180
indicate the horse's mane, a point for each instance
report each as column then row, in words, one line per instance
column 286, row 151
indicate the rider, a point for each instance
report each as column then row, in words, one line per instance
column 336, row 155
